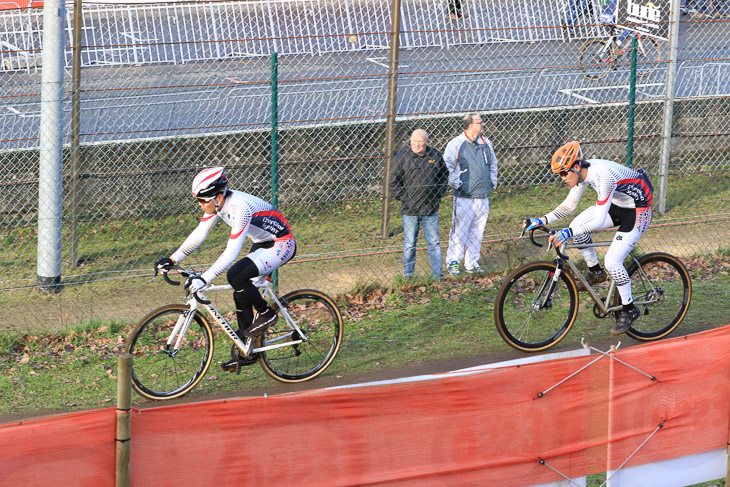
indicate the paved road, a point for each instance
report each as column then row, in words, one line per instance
column 132, row 102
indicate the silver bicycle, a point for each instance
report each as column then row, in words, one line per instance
column 172, row 347
column 598, row 57
column 537, row 304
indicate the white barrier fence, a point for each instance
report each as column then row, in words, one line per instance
column 179, row 33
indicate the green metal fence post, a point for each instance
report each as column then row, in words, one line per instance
column 275, row 144
column 632, row 104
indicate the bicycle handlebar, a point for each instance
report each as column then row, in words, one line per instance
column 548, row 231
column 187, row 274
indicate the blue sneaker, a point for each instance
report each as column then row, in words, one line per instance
column 476, row 270
column 454, row 268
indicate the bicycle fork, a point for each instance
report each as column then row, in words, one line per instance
column 544, row 295
column 178, row 332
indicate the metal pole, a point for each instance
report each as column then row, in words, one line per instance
column 75, row 134
column 666, row 144
column 124, row 418
column 390, row 119
column 50, row 168
column 632, row 105
column 275, row 144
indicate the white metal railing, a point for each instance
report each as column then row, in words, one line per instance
column 179, row 33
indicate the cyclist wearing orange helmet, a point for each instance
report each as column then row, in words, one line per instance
column 624, row 200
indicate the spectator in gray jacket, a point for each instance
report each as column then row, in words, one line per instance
column 473, row 175
column 418, row 180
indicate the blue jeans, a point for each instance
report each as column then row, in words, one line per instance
column 430, row 226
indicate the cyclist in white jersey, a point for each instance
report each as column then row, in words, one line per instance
column 248, row 216
column 624, row 200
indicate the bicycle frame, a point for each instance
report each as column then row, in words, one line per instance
column 245, row 346
column 613, row 44
column 608, row 310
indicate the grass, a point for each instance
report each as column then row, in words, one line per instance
column 130, row 244
column 407, row 323
column 339, row 244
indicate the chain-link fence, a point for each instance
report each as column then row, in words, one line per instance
column 165, row 90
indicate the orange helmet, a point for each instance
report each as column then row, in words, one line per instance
column 565, row 157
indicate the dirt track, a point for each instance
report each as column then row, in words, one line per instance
column 274, row 388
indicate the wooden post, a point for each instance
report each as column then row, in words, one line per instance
column 124, row 419
column 390, row 118
column 73, row 247
column 727, row 474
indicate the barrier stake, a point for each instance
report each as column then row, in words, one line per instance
column 124, row 420
column 727, row 475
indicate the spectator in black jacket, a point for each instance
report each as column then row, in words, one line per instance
column 419, row 180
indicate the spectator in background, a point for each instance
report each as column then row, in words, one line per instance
column 579, row 12
column 473, row 175
column 455, row 10
column 418, row 180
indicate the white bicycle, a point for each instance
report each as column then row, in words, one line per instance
column 172, row 347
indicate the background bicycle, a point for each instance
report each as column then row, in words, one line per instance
column 172, row 347
column 706, row 9
column 598, row 57
column 537, row 304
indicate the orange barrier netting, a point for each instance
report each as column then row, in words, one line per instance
column 71, row 449
column 487, row 428
column 19, row 4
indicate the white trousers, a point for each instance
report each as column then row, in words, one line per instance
column 622, row 244
column 468, row 221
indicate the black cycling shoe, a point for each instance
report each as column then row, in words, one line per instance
column 593, row 278
column 235, row 364
column 625, row 320
column 261, row 322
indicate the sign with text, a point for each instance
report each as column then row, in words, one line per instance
column 646, row 17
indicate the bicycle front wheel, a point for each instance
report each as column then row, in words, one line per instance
column 662, row 291
column 533, row 310
column 159, row 371
column 596, row 59
column 319, row 318
column 648, row 56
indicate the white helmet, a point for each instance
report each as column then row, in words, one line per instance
column 210, row 182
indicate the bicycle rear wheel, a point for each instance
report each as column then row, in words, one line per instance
column 530, row 317
column 320, row 320
column 662, row 312
column 648, row 56
column 158, row 371
column 596, row 59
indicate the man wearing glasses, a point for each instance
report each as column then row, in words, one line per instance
column 248, row 216
column 623, row 199
column 472, row 169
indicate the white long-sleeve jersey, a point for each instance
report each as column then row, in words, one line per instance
column 614, row 184
column 248, row 216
